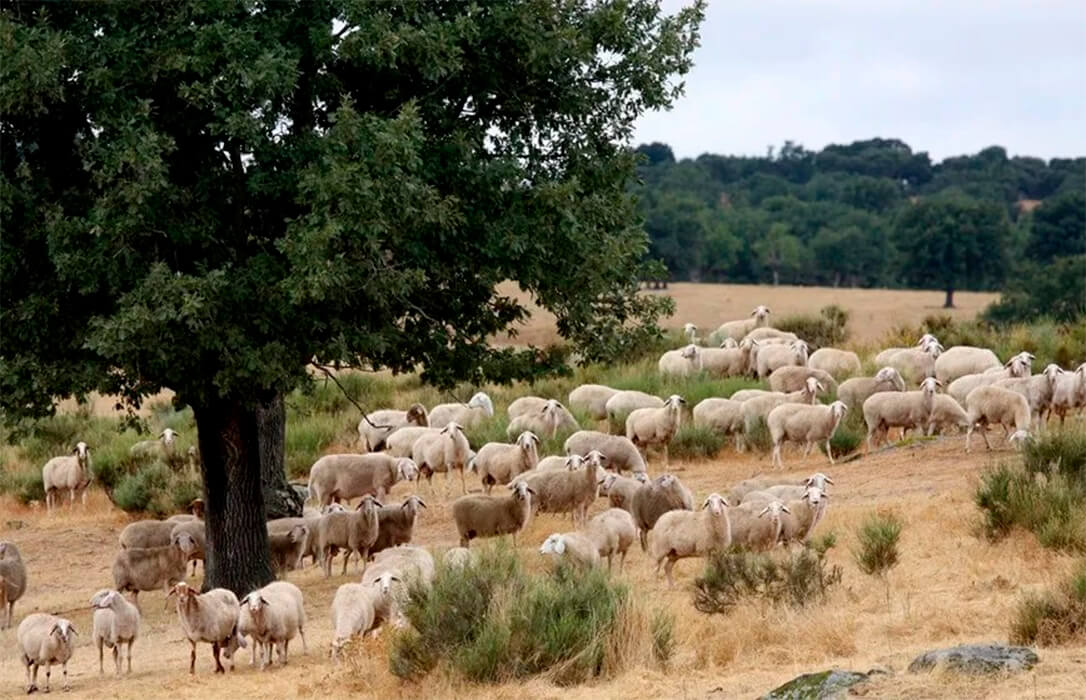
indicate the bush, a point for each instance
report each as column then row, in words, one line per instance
column 1053, row 617
column 25, row 485
column 878, row 537
column 828, row 328
column 155, row 489
column 795, row 579
column 849, row 436
column 758, row 438
column 1063, row 451
column 696, row 442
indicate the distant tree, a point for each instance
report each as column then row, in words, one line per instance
column 780, row 251
column 1055, row 290
column 851, row 255
column 657, row 153
column 1058, row 228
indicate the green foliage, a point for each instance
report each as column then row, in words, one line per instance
column 26, row 485
column 757, row 437
column 851, row 433
column 1055, row 290
column 663, row 636
column 877, row 538
column 829, row 328
column 696, row 442
column 1054, row 617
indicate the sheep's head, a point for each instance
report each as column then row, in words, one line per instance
column 481, row 400
column 760, row 314
column 298, row 533
column 527, row 440
column 818, row 479
column 930, row 385
column 665, row 480
column 574, row 462
column 729, row 343
column 814, row 495
column 104, row 599
column 641, row 477
column 522, row 492
column 812, row 386
column 417, row 415
column 801, row 350
column 554, row 544
column 774, row 509
column 933, row 348
column 256, row 604
column 927, row 339
column 1020, row 437
column 368, row 504
column 333, row 508
column 675, row 402
column 715, row 504
column 607, row 482
column 690, row 330
column 412, row 504
column 838, row 409
column 1020, row 365
column 384, row 583
column 1052, row 372
column 453, row 429
column 63, row 631
column 185, row 596
column 690, row 352
column 406, row 469
column 595, row 458
column 82, row 452
column 186, row 543
column 168, row 436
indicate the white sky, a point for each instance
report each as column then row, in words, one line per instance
column 945, row 76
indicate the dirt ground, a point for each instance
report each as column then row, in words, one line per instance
column 951, row 587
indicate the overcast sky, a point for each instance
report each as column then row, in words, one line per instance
column 945, row 76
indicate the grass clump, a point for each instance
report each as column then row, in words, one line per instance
column 757, row 436
column 1053, row 617
column 878, row 536
column 696, row 442
column 828, row 328
column 850, row 434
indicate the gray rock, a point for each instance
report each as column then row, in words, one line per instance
column 977, row 659
column 827, row 685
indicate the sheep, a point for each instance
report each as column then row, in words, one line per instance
column 551, row 418
column 906, row 409
column 353, row 532
column 396, row 523
column 725, row 361
column 961, row 360
column 277, row 615
column 116, row 622
column 445, row 451
column 655, row 426
column 620, row 452
column 407, row 562
column 754, row 409
column 680, row 363
column 620, row 489
column 803, row 514
column 757, row 526
column 375, row 428
column 738, row 329
column 490, row 516
column 71, row 473
column 592, row 400
column 500, row 463
column 207, row 617
column 146, row 533
column 723, row 416
column 623, row 402
column 988, row 405
column 838, row 363
column 885, row 354
column 196, row 530
column 162, row 446
column 765, row 489
column 690, row 332
column 469, row 415
column 794, row 378
column 802, row 423
column 571, row 490
column 524, row 405
column 915, row 364
column 458, row 557
column 612, row 532
column 288, row 548
column 572, row 547
column 1018, row 366
column 946, row 412
column 401, row 442
column 355, row 612
column 146, row 569
column 346, row 476
column 773, row 357
column 655, row 498
column 1037, row 389
column 1069, row 392
column 681, row 534
column 746, row 394
column 769, row 333
column 12, row 581
column 856, row 390
column 45, row 640
column 281, row 529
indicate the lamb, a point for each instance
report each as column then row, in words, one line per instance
column 757, row 526
column 592, row 400
column 347, row 476
column 12, row 581
column 163, row 446
column 549, row 420
column 856, row 390
column 945, row 413
column 45, row 640
column 794, row 378
column 208, row 617
column 116, row 623
column 571, row 490
column 500, row 463
column 71, row 473
column 469, row 415
column 276, row 614
column 773, row 357
column 375, row 428
column 802, row 423
column 1069, row 392
column 572, row 547
column 621, row 453
column 288, row 548
column 396, row 524
column 680, row 363
column 353, row 532
column 803, row 515
column 680, row 534
column 401, row 442
column 738, row 329
column 1018, row 366
column 1037, row 389
column 623, row 402
column 490, row 516
column 907, row 409
column 838, row 363
column 961, row 360
column 663, row 494
column 612, row 532
column 620, row 489
column 443, row 452
column 915, row 364
column 723, row 416
column 989, row 405
column 655, row 426
column 145, row 569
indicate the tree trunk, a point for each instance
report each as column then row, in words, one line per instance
column 949, row 303
column 237, row 555
column 280, row 500
column 776, row 277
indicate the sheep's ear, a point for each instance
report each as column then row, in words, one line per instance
column 420, row 501
column 784, row 509
column 560, row 546
column 75, row 451
column 764, row 511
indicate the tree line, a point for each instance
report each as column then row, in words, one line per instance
column 872, row 213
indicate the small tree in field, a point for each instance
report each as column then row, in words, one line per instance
column 207, row 195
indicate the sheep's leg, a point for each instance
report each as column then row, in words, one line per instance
column 305, row 645
column 101, row 657
column 346, row 558
column 463, row 484
column 215, row 653
column 129, row 655
column 622, row 561
column 776, row 461
column 968, row 437
column 64, row 672
column 829, row 451
column 192, row 658
column 31, row 683
column 255, row 645
column 48, row 672
column 667, row 570
column 984, row 434
column 286, row 650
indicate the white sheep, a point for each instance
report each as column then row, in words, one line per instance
column 856, row 390
column 500, row 463
column 524, row 405
column 208, row 617
column 12, row 581
column 729, row 360
column 758, row 407
column 769, row 333
column 402, row 442
column 338, row 477
column 71, row 473
column 277, row 615
column 1018, row 366
column 478, row 409
column 1069, row 392
column 838, row 363
column 146, row 569
column 762, row 490
column 623, row 402
column 723, row 416
column 551, row 418
column 353, row 613
column 803, row 423
column 961, row 360
column 620, row 453
column 161, row 447
column 772, row 357
column 738, row 329
column 353, row 532
column 406, row 562
column 612, row 532
column 915, row 364
column 45, row 640
column 479, row 515
column 993, row 405
column 680, row 534
column 757, row 526
column 620, row 489
column 572, row 547
column 396, row 523
column 794, row 378
column 375, row 428
column 884, row 355
column 906, row 409
column 446, row 451
column 680, row 363
column 288, row 548
column 592, row 400
column 946, row 413
column 653, row 499
column 1038, row 390
column 690, row 331
column 803, row 514
column 655, row 426
column 569, row 490
column 116, row 623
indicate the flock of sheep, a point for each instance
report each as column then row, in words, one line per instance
column 404, row 445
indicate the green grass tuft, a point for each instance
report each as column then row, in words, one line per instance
column 877, row 548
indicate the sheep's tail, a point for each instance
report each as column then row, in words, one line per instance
column 309, row 488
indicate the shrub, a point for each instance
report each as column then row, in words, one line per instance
column 758, row 438
column 878, row 537
column 694, row 442
column 828, row 328
column 26, row 485
column 849, row 436
column 155, row 489
column 1063, row 451
column 309, row 436
column 1053, row 617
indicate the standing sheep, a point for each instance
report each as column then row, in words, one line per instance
column 208, row 617
column 1069, row 392
column 757, row 526
column 571, row 490
column 738, row 329
column 612, row 532
column 726, row 361
column 469, row 415
column 71, row 473
column 993, row 405
column 116, row 622
column 572, row 547
column 663, row 494
column 500, row 463
column 277, row 615
column 946, row 413
column 802, row 423
column 803, row 514
column 375, row 428
column 401, row 442
column 45, row 640
column 838, row 363
column 758, row 407
column 620, row 489
column 773, row 357
column 961, row 360
column 621, row 454
column 655, row 426
column 915, row 364
column 551, row 418
column 491, row 516
column 288, row 548
column 794, row 378
column 1037, row 389
column 353, row 532
column 1018, row 366
column 723, row 416
column 681, row 534
column 396, row 523
column 345, row 476
column 680, row 363
column 444, row 452
column 906, row 409
column 151, row 568
column 623, row 402
column 885, row 354
column 856, row 390
column 12, row 581
column 162, row 447
column 592, row 400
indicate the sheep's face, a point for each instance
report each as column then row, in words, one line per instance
column 933, row 348
column 298, row 533
column 574, row 462
column 185, row 542
column 333, row 508
column 774, row 510
column 63, row 631
column 926, row 339
column 169, row 436
column 838, row 409
column 527, row 440
column 103, row 599
column 641, row 477
column 812, row 386
column 818, row 479
column 521, row 491
column 760, row 313
column 814, row 495
column 729, row 343
column 690, row 352
column 412, row 504
column 715, row 504
column 81, row 451
column 1020, row 437
column 1052, row 372
column 406, row 469
column 384, row 583
column 368, row 504
column 929, row 385
column 675, row 401
column 665, row 480
column 554, row 544
column 608, row 482
column 481, row 400
column 255, row 602
column 596, row 459
column 416, row 415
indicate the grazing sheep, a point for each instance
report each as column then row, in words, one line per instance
column 549, row 420
column 620, row 452
column 396, row 523
column 12, row 581
column 1069, row 392
column 994, row 405
column 277, row 614
column 680, row 363
column 345, row 476
column 915, row 364
column 353, row 532
column 612, row 532
column 663, row 494
column 623, row 402
column 620, row 489
column 727, row 360
column 500, row 463
column 401, row 442
column 803, row 515
column 1037, row 389
column 961, row 360
column 207, row 617
column 1018, row 366
column 723, row 416
column 592, row 400
column 655, row 426
column 757, row 526
column 738, row 329
column 765, row 489
column 803, row 423
column 680, row 534
column 375, row 428
column 490, row 516
column 469, row 415
column 906, row 409
column 71, row 473
column 572, row 547
column 288, row 548
column 406, row 562
column 794, row 378
column 146, row 569
column 161, row 447
column 838, row 363
column 946, row 413
column 116, row 623
column 357, row 609
column 446, row 451
column 45, row 640
column 571, row 490
column 146, row 533
column 856, row 390
column 772, row 357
